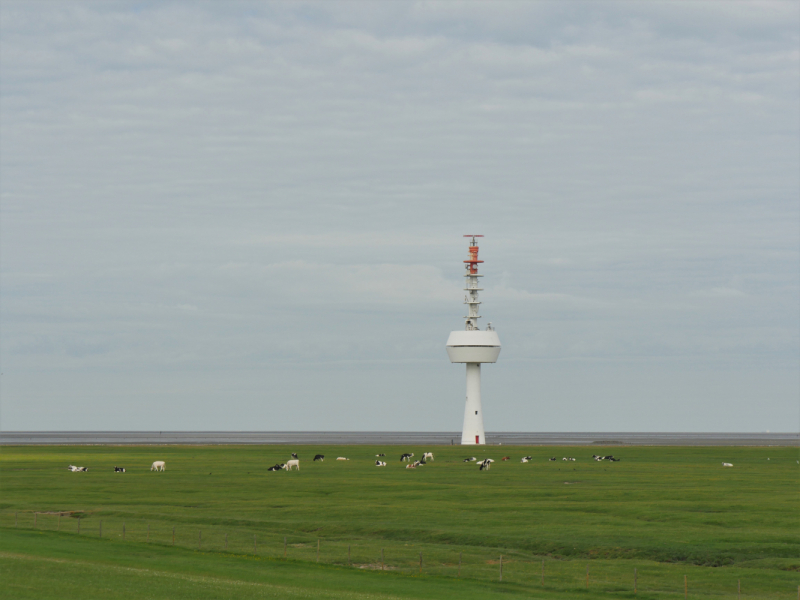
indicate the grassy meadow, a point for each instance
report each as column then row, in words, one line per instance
column 216, row 524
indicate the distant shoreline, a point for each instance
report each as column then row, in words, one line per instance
column 137, row 438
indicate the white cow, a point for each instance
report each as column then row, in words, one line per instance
column 427, row 455
column 727, row 464
column 75, row 469
column 292, row 463
column 342, row 458
column 159, row 465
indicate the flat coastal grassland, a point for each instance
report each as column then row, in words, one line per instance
column 216, row 524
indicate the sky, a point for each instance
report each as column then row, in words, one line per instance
column 249, row 215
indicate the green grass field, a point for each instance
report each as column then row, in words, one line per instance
column 352, row 530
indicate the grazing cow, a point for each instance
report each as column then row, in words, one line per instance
column 277, row 467
column 159, row 465
column 319, row 457
column 727, row 464
column 292, row 463
column 119, row 469
column 380, row 463
column 75, row 469
column 470, row 459
column 405, row 457
column 485, row 464
column 427, row 455
column 505, row 458
column 294, row 455
column 341, row 458
column 525, row 459
column 379, row 455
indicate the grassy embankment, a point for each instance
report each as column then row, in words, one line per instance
column 668, row 512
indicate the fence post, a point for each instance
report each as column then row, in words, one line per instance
column 542, row 571
column 15, row 519
column 101, row 529
column 199, row 538
column 635, row 577
column 148, row 533
column 501, row 567
column 226, row 541
column 255, row 544
column 79, row 525
column 685, row 587
column 587, row 576
column 284, row 546
column 739, row 589
column 382, row 559
column 35, row 515
column 59, row 522
column 123, row 531
column 317, row 549
column 459, row 564
column 420, row 563
column 348, row 554
column 173, row 536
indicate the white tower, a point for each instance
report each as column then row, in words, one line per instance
column 473, row 346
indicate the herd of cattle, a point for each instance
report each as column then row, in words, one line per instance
column 406, row 457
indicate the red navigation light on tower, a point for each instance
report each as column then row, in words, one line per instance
column 473, row 346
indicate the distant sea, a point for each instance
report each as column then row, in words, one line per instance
column 399, row 438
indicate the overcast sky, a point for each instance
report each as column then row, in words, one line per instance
column 249, row 215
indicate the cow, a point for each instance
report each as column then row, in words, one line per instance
column 727, row 464
column 380, row 463
column 276, row 467
column 119, row 469
column 292, row 463
column 485, row 464
column 319, row 457
column 525, row 459
column 379, row 455
column 75, row 469
column 341, row 458
column 411, row 465
column 294, row 455
column 406, row 456
column 159, row 465
column 552, row 459
column 505, row 458
column 427, row 455
column 470, row 459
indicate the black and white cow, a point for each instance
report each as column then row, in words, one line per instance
column 485, row 464
column 75, row 469
column 379, row 455
column 119, row 469
column 294, row 455
column 470, row 459
column 405, row 457
column 277, row 467
column 552, row 459
column 525, row 459
column 380, row 463
column 319, row 457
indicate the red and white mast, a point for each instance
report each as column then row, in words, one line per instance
column 473, row 347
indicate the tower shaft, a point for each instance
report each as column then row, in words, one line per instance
column 472, row 432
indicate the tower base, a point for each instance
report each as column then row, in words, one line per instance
column 472, row 433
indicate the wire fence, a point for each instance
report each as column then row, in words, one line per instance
column 441, row 560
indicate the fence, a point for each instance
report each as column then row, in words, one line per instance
column 609, row 576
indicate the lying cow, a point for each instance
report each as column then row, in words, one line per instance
column 379, row 455
column 75, row 469
column 552, row 459
column 505, row 458
column 380, row 463
column 292, row 463
column 276, row 467
column 319, row 457
column 427, row 455
column 119, row 469
column 727, row 464
column 525, row 459
column 159, row 465
column 470, row 459
column 341, row 458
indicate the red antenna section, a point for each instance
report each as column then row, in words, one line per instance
column 473, row 254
